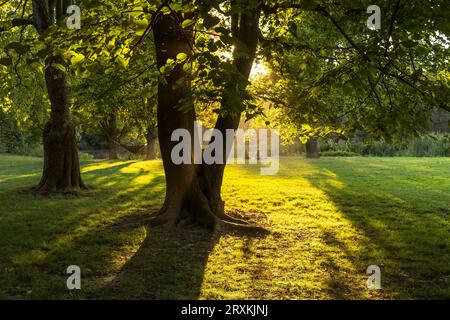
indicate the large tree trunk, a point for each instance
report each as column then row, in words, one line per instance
column 312, row 148
column 193, row 191
column 245, row 28
column 171, row 40
column 61, row 171
column 151, row 144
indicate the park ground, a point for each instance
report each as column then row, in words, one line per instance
column 329, row 219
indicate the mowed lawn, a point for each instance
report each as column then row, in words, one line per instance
column 329, row 219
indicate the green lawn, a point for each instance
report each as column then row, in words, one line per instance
column 330, row 219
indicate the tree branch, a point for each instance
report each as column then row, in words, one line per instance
column 23, row 22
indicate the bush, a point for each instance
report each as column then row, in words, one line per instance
column 3, row 148
column 432, row 145
column 379, row 149
column 85, row 156
column 331, row 145
column 339, row 154
column 37, row 151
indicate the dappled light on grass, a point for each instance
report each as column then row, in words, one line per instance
column 308, row 255
column 330, row 219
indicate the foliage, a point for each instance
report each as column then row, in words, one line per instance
column 433, row 145
column 16, row 137
column 83, row 156
column 429, row 145
column 330, row 73
column 339, row 154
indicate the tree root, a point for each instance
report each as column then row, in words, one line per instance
column 227, row 218
column 199, row 207
column 204, row 217
column 246, row 228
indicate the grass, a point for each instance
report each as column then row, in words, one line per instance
column 330, row 219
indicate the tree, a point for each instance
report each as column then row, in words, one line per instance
column 351, row 61
column 333, row 75
column 61, row 172
column 193, row 191
column 312, row 148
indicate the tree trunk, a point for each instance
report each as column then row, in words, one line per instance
column 312, row 148
column 151, row 144
column 61, row 171
column 193, row 191
column 171, row 40
column 108, row 125
column 112, row 149
column 246, row 29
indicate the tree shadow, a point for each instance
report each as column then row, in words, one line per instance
column 404, row 226
column 108, row 236
column 169, row 264
column 38, row 232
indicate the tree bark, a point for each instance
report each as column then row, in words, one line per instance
column 112, row 149
column 61, row 172
column 246, row 31
column 151, row 144
column 193, row 191
column 112, row 134
column 312, row 148
column 170, row 40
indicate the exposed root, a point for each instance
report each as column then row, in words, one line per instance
column 219, row 225
column 246, row 228
column 203, row 216
column 195, row 208
column 225, row 217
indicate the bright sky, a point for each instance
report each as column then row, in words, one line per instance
column 258, row 69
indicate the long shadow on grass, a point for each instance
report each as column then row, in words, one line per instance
column 102, row 240
column 412, row 247
column 42, row 236
column 119, row 255
column 169, row 264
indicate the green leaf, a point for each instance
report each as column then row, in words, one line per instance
column 187, row 23
column 181, row 56
column 308, row 4
column 409, row 43
column 18, row 47
column 222, row 30
column 142, row 26
column 77, row 58
column 59, row 67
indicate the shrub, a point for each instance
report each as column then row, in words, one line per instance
column 85, row 156
column 339, row 154
column 331, row 145
column 3, row 148
column 380, row 149
column 431, row 145
column 37, row 151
